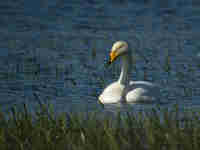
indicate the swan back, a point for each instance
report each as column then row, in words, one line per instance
column 142, row 91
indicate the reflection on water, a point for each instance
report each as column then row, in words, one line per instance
column 57, row 49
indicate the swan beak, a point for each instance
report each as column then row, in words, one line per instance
column 113, row 56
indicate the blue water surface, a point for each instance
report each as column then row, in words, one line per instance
column 55, row 51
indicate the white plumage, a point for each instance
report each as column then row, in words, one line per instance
column 125, row 90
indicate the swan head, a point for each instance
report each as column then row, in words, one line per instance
column 119, row 48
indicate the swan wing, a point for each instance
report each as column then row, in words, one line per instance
column 142, row 91
column 112, row 94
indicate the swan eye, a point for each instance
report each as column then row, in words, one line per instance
column 120, row 46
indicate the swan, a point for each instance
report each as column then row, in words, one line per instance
column 125, row 90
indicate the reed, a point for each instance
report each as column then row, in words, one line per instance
column 43, row 129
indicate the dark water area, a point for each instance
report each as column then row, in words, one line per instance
column 55, row 51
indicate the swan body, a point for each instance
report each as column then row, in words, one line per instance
column 125, row 90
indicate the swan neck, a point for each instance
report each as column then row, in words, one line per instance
column 125, row 69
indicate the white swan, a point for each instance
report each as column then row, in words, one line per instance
column 125, row 90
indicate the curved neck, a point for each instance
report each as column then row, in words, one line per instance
column 125, row 70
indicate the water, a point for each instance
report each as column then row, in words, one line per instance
column 55, row 51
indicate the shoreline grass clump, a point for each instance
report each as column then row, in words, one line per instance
column 155, row 130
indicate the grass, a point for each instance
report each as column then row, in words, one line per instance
column 154, row 130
